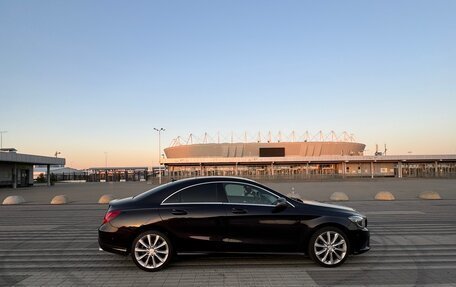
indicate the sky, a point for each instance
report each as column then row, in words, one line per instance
column 91, row 79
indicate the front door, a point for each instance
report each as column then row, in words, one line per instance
column 254, row 224
column 24, row 179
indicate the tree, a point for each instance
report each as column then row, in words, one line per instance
column 41, row 178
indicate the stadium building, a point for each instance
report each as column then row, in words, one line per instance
column 323, row 156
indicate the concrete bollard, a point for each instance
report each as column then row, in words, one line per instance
column 384, row 195
column 105, row 198
column 13, row 199
column 339, row 196
column 430, row 195
column 59, row 199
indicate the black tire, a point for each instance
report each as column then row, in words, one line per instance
column 151, row 250
column 329, row 252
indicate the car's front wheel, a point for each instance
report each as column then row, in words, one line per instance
column 329, row 247
column 151, row 250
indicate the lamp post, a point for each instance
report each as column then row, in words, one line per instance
column 106, row 166
column 1, row 138
column 159, row 130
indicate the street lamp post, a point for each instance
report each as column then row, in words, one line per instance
column 159, row 130
column 1, row 138
column 106, row 166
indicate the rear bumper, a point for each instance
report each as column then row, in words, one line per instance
column 112, row 248
column 112, row 240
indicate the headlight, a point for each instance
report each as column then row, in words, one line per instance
column 358, row 220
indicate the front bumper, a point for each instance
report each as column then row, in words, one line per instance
column 360, row 241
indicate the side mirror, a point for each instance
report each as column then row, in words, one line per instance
column 281, row 204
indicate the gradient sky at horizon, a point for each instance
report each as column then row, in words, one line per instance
column 89, row 77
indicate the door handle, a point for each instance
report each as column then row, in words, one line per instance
column 238, row 211
column 178, row 212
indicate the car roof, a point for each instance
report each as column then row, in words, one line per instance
column 213, row 178
column 160, row 192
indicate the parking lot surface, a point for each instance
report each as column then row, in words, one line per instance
column 413, row 244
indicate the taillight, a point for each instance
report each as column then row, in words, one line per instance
column 110, row 216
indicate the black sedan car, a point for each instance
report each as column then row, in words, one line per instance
column 228, row 214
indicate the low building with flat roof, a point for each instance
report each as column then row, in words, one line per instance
column 16, row 169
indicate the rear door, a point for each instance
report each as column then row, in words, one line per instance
column 253, row 223
column 194, row 216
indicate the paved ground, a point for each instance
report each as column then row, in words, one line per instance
column 356, row 189
column 413, row 243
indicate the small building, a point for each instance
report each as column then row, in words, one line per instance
column 16, row 169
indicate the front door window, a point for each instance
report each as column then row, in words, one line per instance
column 244, row 193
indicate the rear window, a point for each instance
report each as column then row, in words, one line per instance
column 152, row 191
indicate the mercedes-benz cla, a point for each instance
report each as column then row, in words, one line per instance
column 228, row 214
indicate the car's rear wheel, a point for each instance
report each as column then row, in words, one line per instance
column 329, row 246
column 151, row 250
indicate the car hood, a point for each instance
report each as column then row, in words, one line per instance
column 316, row 203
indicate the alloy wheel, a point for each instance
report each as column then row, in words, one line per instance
column 151, row 251
column 330, row 248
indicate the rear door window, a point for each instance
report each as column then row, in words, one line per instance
column 201, row 193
